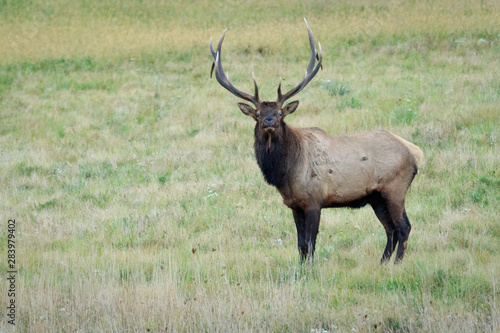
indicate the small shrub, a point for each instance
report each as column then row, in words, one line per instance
column 336, row 88
column 352, row 103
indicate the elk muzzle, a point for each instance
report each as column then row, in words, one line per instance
column 269, row 121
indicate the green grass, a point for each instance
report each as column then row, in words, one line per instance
column 138, row 201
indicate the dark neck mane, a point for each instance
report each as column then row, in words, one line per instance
column 276, row 159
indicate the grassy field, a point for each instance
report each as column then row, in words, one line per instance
column 140, row 207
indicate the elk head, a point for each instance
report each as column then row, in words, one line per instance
column 268, row 115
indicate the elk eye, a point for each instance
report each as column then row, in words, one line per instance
column 281, row 113
column 257, row 114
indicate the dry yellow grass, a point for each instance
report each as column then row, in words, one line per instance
column 56, row 30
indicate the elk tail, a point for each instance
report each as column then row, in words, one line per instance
column 415, row 151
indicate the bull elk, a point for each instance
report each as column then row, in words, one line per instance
column 313, row 170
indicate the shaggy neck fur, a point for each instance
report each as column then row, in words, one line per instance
column 276, row 159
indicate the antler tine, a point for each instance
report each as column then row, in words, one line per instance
column 223, row 79
column 214, row 55
column 256, row 88
column 311, row 71
column 310, row 67
column 279, row 92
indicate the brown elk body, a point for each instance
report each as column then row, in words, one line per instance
column 313, row 170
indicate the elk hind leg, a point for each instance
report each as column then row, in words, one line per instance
column 402, row 225
column 382, row 213
column 403, row 234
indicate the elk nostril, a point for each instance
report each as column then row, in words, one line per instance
column 269, row 122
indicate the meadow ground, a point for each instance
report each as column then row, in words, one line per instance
column 138, row 202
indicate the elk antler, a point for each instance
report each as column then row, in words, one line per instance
column 224, row 81
column 310, row 71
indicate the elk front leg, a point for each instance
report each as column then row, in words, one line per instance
column 312, row 227
column 300, row 223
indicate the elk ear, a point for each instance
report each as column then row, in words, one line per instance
column 247, row 109
column 290, row 108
